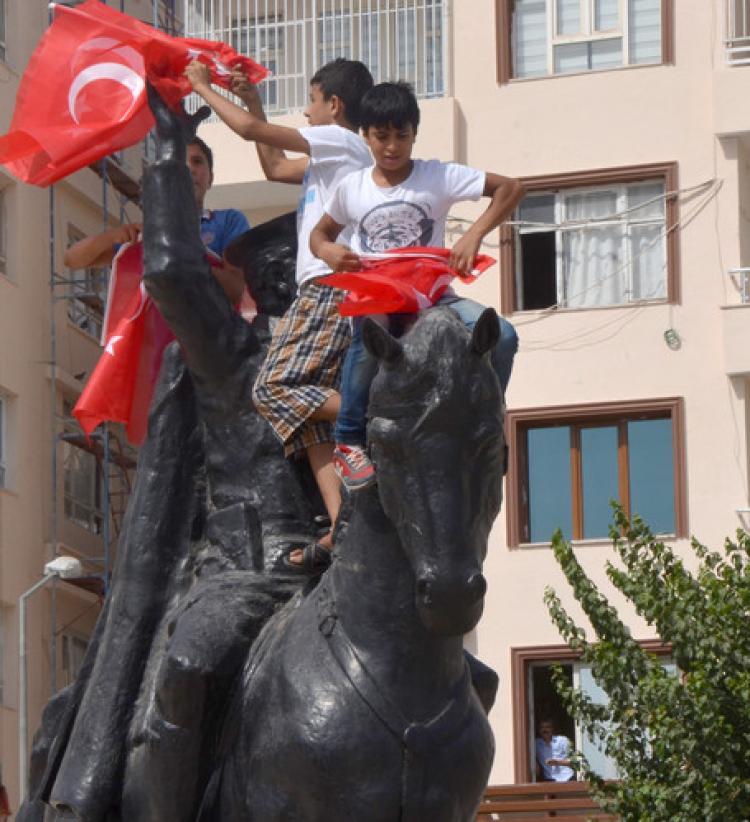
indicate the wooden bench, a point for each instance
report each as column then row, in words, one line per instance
column 570, row 801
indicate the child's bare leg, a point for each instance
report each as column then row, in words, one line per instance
column 326, row 413
column 321, row 456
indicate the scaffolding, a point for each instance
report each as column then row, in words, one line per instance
column 105, row 461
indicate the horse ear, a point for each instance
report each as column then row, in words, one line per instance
column 486, row 332
column 379, row 342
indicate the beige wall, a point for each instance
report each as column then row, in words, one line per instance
column 32, row 518
column 690, row 113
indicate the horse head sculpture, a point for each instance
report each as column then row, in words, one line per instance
column 436, row 434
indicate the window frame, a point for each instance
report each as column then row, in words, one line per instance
column 592, row 179
column 87, row 293
column 85, row 513
column 504, row 37
column 519, row 420
column 521, row 660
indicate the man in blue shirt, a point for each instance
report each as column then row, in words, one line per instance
column 218, row 228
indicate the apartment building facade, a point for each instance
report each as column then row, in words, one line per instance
column 622, row 272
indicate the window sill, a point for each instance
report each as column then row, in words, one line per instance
column 4, row 278
column 555, row 309
column 8, row 492
column 536, row 78
column 599, row 542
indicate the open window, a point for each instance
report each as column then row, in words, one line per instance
column 592, row 240
column 535, row 699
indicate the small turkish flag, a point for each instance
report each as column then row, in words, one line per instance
column 111, row 388
column 134, row 336
column 404, row 280
column 83, row 94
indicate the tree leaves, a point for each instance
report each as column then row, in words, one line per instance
column 681, row 743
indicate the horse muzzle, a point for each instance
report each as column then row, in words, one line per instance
column 451, row 608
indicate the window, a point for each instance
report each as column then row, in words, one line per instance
column 73, row 653
column 593, row 239
column 3, row 228
column 538, row 38
column 293, row 39
column 87, row 293
column 82, row 480
column 568, row 463
column 737, row 29
column 535, row 699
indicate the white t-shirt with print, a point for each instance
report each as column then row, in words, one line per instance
column 412, row 213
column 334, row 152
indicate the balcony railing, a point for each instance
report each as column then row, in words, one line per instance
column 737, row 40
column 541, row 800
column 396, row 39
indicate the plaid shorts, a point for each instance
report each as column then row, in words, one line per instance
column 303, row 367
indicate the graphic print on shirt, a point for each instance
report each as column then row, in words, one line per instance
column 397, row 224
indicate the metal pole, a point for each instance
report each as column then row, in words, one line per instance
column 23, row 707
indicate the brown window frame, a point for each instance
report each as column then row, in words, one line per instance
column 596, row 177
column 503, row 26
column 518, row 421
column 520, row 661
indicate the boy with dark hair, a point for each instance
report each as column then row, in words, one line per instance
column 401, row 202
column 297, row 388
column 218, row 228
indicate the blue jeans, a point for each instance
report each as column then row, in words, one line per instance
column 360, row 367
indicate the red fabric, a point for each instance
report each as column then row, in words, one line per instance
column 403, row 280
column 134, row 336
column 83, row 96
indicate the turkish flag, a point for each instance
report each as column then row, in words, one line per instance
column 134, row 336
column 404, row 280
column 83, row 94
column 111, row 388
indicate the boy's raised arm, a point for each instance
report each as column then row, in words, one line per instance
column 252, row 125
column 505, row 194
column 99, row 249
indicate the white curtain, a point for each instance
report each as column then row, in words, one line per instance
column 592, row 257
column 647, row 242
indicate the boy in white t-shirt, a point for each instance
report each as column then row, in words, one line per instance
column 398, row 203
column 297, row 387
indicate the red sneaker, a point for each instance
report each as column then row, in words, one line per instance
column 353, row 467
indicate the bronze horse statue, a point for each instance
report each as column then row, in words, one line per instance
column 356, row 701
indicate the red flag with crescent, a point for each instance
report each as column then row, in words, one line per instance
column 402, row 280
column 83, row 94
column 134, row 338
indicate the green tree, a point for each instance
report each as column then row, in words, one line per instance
column 681, row 743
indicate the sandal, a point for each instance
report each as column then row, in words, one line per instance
column 316, row 558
